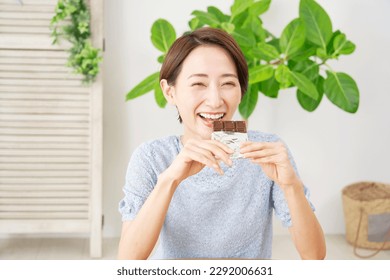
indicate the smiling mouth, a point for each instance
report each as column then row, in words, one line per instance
column 211, row 117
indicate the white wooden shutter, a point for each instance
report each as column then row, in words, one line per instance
column 50, row 130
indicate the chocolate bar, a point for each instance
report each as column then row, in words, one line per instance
column 232, row 126
column 231, row 133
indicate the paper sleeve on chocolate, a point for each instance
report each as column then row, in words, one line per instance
column 231, row 133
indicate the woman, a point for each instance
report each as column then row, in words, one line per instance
column 189, row 192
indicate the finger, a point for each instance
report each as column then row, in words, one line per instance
column 206, row 161
column 202, row 155
column 222, row 146
column 253, row 146
column 259, row 153
column 203, row 158
column 246, row 143
column 205, row 153
column 218, row 150
column 275, row 159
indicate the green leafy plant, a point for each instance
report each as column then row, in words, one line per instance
column 298, row 58
column 72, row 22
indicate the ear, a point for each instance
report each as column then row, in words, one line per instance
column 168, row 91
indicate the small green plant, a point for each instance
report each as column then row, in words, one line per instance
column 83, row 58
column 298, row 58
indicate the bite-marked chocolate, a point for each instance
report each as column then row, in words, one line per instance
column 231, row 126
column 232, row 134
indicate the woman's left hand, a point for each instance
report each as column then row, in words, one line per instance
column 273, row 159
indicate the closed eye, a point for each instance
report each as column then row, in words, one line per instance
column 231, row 84
column 198, row 84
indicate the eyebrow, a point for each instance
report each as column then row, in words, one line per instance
column 205, row 75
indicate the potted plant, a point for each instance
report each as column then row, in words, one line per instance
column 71, row 22
column 297, row 58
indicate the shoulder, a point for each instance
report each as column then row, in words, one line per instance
column 259, row 136
column 157, row 149
column 164, row 143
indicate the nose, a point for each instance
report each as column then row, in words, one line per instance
column 214, row 97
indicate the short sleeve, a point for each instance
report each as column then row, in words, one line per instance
column 280, row 204
column 140, row 181
column 279, row 201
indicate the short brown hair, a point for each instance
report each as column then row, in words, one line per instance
column 183, row 46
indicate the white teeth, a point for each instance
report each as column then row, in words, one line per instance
column 213, row 116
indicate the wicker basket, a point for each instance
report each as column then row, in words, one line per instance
column 360, row 200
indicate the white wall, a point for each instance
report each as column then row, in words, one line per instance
column 332, row 148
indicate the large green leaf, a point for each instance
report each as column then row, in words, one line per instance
column 159, row 96
column 248, row 102
column 244, row 37
column 269, row 87
column 259, row 7
column 194, row 23
column 282, row 75
column 240, row 6
column 252, row 24
column 304, row 53
column 228, row 27
column 306, row 67
column 206, row 18
column 240, row 19
column 308, row 103
column 161, row 58
column 322, row 53
column 274, row 42
column 342, row 46
column 317, row 23
column 265, row 51
column 329, row 47
column 293, row 37
column 147, row 85
column 163, row 35
column 342, row 91
column 218, row 14
column 255, row 24
column 260, row 73
column 304, row 84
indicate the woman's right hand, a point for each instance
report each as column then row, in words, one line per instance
column 139, row 236
column 196, row 154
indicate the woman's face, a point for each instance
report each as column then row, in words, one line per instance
column 207, row 89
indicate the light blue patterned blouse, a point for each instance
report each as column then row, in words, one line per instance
column 210, row 216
